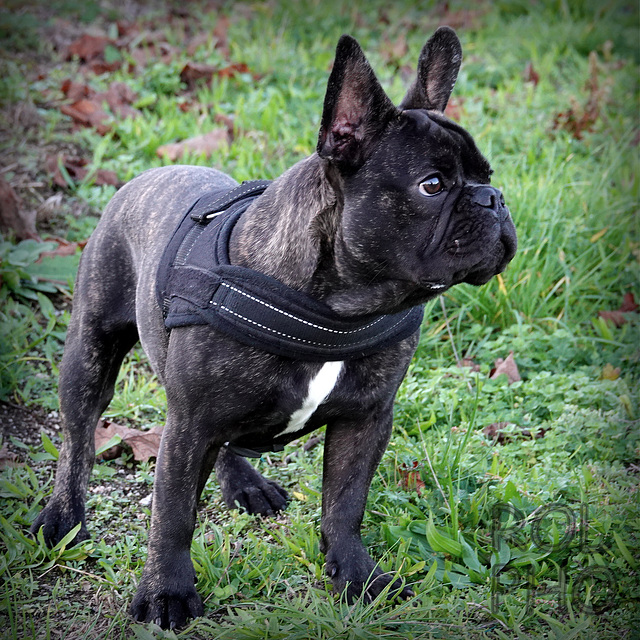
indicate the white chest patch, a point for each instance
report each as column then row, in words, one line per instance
column 320, row 387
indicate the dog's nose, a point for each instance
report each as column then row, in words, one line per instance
column 491, row 198
column 488, row 197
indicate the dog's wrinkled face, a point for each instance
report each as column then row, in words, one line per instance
column 419, row 212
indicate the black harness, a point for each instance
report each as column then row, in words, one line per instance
column 197, row 285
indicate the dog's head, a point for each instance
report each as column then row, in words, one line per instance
column 419, row 214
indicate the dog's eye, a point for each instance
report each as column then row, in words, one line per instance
column 431, row 186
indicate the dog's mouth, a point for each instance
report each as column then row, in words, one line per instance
column 496, row 262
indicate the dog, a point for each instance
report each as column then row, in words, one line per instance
column 394, row 207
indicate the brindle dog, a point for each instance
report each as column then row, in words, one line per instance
column 393, row 208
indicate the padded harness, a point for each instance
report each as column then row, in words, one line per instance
column 196, row 285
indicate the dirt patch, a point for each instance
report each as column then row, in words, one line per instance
column 25, row 425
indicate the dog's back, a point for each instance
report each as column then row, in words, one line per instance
column 116, row 279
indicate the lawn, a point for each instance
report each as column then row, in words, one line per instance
column 508, row 497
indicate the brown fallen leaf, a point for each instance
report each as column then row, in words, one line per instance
column 609, row 372
column 616, row 318
column 463, row 19
column 86, row 106
column 500, row 433
column 77, row 171
column 628, row 303
column 98, row 67
column 507, row 367
column 410, row 478
column 119, row 96
column 619, row 316
column 64, row 248
column 531, row 75
column 193, row 72
column 580, row 118
column 454, row 108
column 143, row 444
column 76, row 90
column 206, row 144
column 197, row 41
column 220, row 35
column 89, row 114
column 14, row 217
column 87, row 47
column 234, row 69
column 393, row 51
column 9, row 459
column 468, row 362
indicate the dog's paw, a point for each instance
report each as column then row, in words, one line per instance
column 264, row 498
column 170, row 607
column 56, row 520
column 357, row 575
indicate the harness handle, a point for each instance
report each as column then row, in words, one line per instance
column 211, row 205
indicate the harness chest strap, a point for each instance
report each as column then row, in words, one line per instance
column 198, row 285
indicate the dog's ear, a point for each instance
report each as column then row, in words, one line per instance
column 438, row 68
column 356, row 109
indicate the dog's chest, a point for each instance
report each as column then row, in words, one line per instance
column 318, row 391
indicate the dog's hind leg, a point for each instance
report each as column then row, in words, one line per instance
column 101, row 332
column 244, row 487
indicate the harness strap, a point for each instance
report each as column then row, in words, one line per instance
column 197, row 285
column 213, row 203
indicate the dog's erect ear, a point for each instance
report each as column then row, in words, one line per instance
column 438, row 68
column 356, row 109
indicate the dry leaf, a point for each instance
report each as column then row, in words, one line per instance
column 76, row 90
column 206, row 144
column 64, row 248
column 8, row 459
column 13, row 216
column 192, row 72
column 198, row 41
column 86, row 106
column 618, row 317
column 609, row 372
column 453, row 110
column 580, row 118
column 507, row 367
column 628, row 303
column 495, row 431
column 119, row 96
column 143, row 444
column 410, row 478
column 87, row 47
column 531, row 75
column 393, row 51
column 233, row 70
column 499, row 432
column 75, row 168
column 220, row 35
column 88, row 113
column 468, row 362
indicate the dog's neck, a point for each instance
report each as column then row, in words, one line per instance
column 289, row 232
column 293, row 233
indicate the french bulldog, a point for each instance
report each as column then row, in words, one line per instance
column 394, row 207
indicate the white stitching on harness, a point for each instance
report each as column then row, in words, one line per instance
column 289, row 315
column 286, row 335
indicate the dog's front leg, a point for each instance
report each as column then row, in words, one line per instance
column 352, row 453
column 166, row 593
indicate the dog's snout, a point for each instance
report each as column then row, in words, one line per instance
column 492, row 199
column 488, row 197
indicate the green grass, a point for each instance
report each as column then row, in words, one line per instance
column 432, row 508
